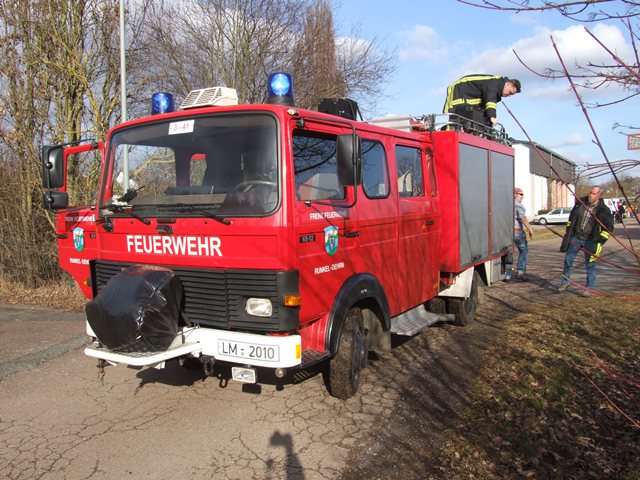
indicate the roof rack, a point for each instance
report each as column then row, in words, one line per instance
column 443, row 121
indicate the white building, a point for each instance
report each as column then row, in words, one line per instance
column 542, row 173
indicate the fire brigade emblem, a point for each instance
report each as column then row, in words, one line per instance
column 331, row 239
column 78, row 238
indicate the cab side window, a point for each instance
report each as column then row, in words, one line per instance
column 315, row 165
column 410, row 174
column 375, row 174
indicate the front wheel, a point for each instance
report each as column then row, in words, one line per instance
column 464, row 309
column 543, row 221
column 345, row 367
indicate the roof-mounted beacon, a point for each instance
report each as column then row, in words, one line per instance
column 280, row 89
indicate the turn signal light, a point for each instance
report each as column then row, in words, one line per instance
column 292, row 300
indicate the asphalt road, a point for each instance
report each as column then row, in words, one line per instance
column 60, row 420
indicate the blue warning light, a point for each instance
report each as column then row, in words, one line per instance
column 280, row 89
column 162, row 102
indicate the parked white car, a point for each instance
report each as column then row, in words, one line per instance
column 558, row 215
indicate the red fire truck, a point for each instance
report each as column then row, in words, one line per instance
column 272, row 237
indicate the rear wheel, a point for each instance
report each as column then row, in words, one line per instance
column 436, row 305
column 345, row 367
column 464, row 309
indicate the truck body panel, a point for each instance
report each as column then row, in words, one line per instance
column 476, row 177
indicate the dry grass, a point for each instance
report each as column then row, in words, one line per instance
column 545, row 232
column 560, row 398
column 59, row 296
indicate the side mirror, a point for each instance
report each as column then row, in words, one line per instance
column 349, row 148
column 55, row 200
column 53, row 168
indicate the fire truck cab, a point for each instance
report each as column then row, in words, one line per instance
column 269, row 236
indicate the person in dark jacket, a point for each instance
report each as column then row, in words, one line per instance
column 481, row 94
column 589, row 228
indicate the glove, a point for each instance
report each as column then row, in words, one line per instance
column 596, row 254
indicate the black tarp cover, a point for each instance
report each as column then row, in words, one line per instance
column 138, row 309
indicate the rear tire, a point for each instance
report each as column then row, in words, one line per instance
column 343, row 376
column 436, row 305
column 464, row 309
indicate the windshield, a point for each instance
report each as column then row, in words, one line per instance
column 224, row 165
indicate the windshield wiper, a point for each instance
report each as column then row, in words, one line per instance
column 130, row 194
column 193, row 208
column 127, row 210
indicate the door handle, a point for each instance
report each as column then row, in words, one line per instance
column 429, row 222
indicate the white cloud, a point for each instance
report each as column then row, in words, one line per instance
column 569, row 140
column 582, row 158
column 551, row 91
column 525, row 18
column 574, row 44
column 347, row 46
column 422, row 42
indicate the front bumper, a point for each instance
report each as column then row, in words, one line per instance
column 226, row 346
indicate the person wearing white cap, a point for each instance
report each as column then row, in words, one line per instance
column 521, row 225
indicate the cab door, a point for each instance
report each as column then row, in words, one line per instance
column 76, row 231
column 417, row 226
column 326, row 224
column 378, row 217
column 77, row 244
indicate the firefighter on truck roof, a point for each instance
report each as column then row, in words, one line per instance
column 479, row 94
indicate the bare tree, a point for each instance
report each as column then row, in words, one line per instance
column 231, row 43
column 58, row 72
column 365, row 68
column 24, row 105
column 237, row 44
column 314, row 64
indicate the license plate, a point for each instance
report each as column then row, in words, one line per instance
column 249, row 351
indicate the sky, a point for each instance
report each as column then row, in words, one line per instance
column 436, row 42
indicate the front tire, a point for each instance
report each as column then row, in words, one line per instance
column 464, row 309
column 543, row 221
column 343, row 376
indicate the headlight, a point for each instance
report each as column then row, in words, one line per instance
column 259, row 307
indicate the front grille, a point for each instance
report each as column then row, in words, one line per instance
column 216, row 298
